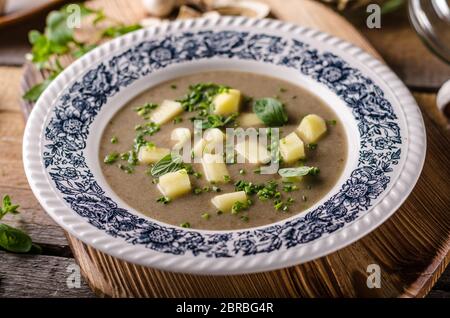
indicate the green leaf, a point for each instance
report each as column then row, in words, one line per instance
column 8, row 207
column 271, row 111
column 34, row 92
column 167, row 164
column 391, row 6
column 298, row 171
column 57, row 30
column 83, row 49
column 14, row 240
column 116, row 31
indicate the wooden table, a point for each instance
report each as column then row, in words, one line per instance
column 45, row 275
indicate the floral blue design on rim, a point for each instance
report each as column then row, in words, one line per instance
column 68, row 130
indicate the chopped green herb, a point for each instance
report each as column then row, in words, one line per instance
column 186, row 225
column 125, row 156
column 206, row 216
column 311, row 146
column 114, row 140
column 238, row 207
column 244, row 218
column 215, row 189
column 332, row 122
column 145, row 109
column 242, row 171
column 197, row 191
column 126, row 168
column 249, row 187
column 257, row 171
column 289, row 187
column 163, row 200
column 148, row 129
column 111, row 158
column 173, row 86
column 226, row 178
column 198, row 175
column 283, row 90
column 177, row 120
column 304, row 198
column 298, row 171
column 269, row 191
column 200, row 99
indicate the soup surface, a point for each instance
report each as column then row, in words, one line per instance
column 138, row 189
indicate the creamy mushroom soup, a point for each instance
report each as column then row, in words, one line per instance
column 136, row 159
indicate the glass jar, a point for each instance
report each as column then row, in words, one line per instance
column 431, row 20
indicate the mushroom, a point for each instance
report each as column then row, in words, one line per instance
column 159, row 8
column 251, row 9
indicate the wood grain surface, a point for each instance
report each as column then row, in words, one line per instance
column 412, row 247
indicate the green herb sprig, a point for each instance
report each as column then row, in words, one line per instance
column 12, row 239
column 58, row 40
column 271, row 111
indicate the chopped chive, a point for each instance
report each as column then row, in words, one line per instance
column 177, row 120
column 173, row 86
column 304, row 198
column 257, row 171
column 332, row 122
column 163, row 200
column 111, row 158
column 125, row 156
column 311, row 146
column 244, row 218
column 126, row 168
column 186, row 225
column 283, row 90
column 198, row 175
column 114, row 140
column 226, row 178
column 197, row 191
column 206, row 216
column 216, row 189
column 242, row 172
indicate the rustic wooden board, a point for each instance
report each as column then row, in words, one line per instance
column 412, row 247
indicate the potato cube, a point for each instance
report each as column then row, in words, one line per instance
column 224, row 202
column 166, row 111
column 151, row 154
column 214, row 168
column 227, row 102
column 253, row 152
column 311, row 128
column 292, row 148
column 249, row 120
column 181, row 136
column 208, row 143
column 174, row 184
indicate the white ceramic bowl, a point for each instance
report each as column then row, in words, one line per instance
column 384, row 126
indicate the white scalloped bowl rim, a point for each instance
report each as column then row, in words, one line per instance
column 407, row 173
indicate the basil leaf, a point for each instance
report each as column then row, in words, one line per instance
column 8, row 207
column 271, row 111
column 167, row 164
column 14, row 240
column 58, row 30
column 298, row 171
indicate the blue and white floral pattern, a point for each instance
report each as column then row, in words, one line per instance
column 68, row 130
